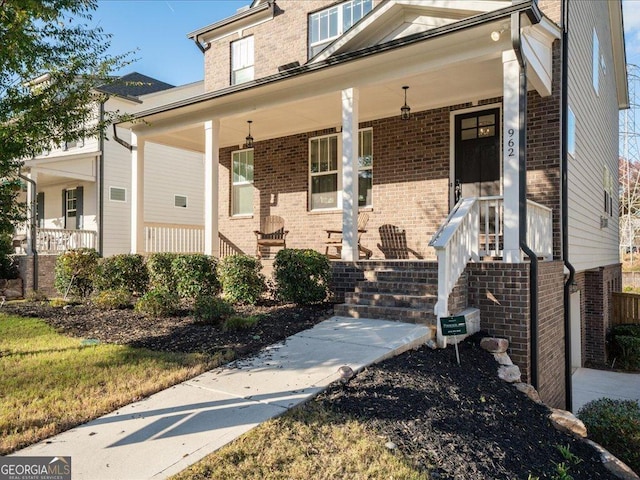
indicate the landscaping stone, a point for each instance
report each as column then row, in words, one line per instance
column 529, row 391
column 509, row 373
column 567, row 422
column 503, row 358
column 613, row 464
column 11, row 289
column 494, row 345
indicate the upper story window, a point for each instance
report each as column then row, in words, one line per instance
column 571, row 132
column 242, row 60
column 328, row 24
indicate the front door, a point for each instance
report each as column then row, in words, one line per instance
column 477, row 154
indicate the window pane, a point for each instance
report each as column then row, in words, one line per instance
column 365, row 183
column 314, row 26
column 487, row 120
column 468, row 134
column 487, row 131
column 242, row 199
column 324, row 191
column 469, row 122
column 347, row 16
column 333, row 22
column 324, row 25
column 315, row 163
column 324, row 155
column 249, row 175
column 333, row 165
column 366, row 143
column 243, row 75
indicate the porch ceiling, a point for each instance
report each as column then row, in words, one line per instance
column 464, row 66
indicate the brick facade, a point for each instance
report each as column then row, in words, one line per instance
column 286, row 31
column 46, row 273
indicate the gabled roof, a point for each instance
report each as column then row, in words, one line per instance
column 133, row 85
column 395, row 19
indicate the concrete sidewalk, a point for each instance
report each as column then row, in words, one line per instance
column 590, row 384
column 169, row 431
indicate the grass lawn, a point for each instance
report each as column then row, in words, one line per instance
column 50, row 382
column 305, row 443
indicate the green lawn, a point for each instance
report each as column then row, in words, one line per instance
column 50, row 382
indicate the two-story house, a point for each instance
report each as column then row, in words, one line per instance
column 479, row 136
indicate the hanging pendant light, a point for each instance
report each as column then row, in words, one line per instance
column 405, row 110
column 249, row 139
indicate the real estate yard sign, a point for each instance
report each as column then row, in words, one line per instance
column 452, row 327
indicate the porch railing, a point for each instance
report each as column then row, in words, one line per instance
column 172, row 238
column 57, row 240
column 474, row 229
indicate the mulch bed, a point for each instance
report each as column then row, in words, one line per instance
column 456, row 422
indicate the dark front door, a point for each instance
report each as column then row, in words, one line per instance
column 477, row 154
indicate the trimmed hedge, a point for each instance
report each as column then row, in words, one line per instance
column 302, row 276
column 241, row 279
column 160, row 273
column 125, row 271
column 615, row 424
column 75, row 272
column 195, row 275
column 115, row 299
column 158, row 302
column 8, row 267
column 212, row 310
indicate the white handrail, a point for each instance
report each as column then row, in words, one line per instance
column 456, row 243
column 58, row 240
column 540, row 229
column 173, row 238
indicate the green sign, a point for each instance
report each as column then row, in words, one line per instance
column 453, row 325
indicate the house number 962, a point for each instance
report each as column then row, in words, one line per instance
column 510, row 142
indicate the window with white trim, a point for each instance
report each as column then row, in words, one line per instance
column 365, row 168
column 180, row 201
column 71, row 201
column 242, row 60
column 571, row 132
column 117, row 194
column 242, row 182
column 325, row 170
column 596, row 62
column 328, row 24
column 609, row 191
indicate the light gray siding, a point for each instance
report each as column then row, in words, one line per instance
column 596, row 137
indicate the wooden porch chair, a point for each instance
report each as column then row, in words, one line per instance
column 334, row 239
column 271, row 233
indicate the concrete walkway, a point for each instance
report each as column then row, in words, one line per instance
column 590, row 384
column 169, row 431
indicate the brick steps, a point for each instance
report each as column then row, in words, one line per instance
column 400, row 293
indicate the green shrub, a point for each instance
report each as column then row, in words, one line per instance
column 301, row 276
column 628, row 329
column 615, row 424
column 158, row 302
column 160, row 274
column 114, row 299
column 195, row 275
column 212, row 310
column 237, row 322
column 75, row 271
column 59, row 302
column 126, row 271
column 241, row 279
column 8, row 267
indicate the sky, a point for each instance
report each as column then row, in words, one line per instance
column 156, row 30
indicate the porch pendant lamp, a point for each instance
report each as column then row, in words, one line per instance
column 249, row 138
column 405, row 110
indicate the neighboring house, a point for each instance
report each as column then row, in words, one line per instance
column 498, row 181
column 83, row 189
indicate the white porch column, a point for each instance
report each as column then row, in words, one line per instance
column 32, row 211
column 350, row 139
column 137, row 194
column 511, row 157
column 211, row 190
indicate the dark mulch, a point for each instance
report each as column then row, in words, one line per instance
column 456, row 422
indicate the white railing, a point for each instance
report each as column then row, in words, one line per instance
column 456, row 243
column 540, row 229
column 490, row 226
column 170, row 238
column 57, row 240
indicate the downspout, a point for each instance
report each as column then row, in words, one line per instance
column 121, row 141
column 101, row 186
column 533, row 272
column 564, row 109
column 32, row 228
